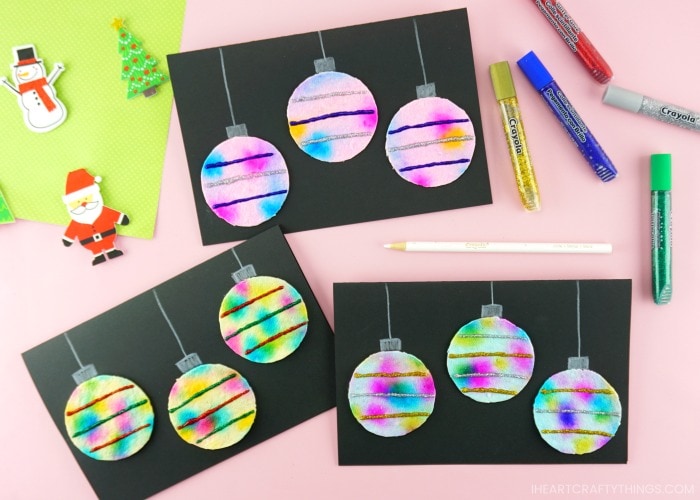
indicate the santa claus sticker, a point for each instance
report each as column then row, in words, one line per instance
column 93, row 223
column 35, row 92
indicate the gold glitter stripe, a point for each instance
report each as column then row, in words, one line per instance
column 576, row 431
column 495, row 391
column 395, row 415
column 391, row 375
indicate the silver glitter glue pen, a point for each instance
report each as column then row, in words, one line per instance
column 664, row 112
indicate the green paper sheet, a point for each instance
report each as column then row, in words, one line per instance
column 121, row 140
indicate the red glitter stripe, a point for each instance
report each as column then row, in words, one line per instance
column 119, row 438
column 276, row 336
column 247, row 303
column 212, row 410
column 97, row 400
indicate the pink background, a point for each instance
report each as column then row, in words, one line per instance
column 46, row 289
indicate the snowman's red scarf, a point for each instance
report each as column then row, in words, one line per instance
column 38, row 86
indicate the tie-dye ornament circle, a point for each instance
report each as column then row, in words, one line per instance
column 490, row 359
column 577, row 411
column 430, row 142
column 109, row 417
column 332, row 116
column 245, row 181
column 264, row 319
column 391, row 393
column 211, row 406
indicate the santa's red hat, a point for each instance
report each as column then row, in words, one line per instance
column 80, row 184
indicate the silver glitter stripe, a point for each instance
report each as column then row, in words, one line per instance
column 587, row 412
column 392, row 394
column 232, row 180
column 484, row 336
column 413, row 145
column 504, row 375
column 327, row 96
column 334, row 138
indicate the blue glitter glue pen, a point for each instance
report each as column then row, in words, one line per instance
column 544, row 83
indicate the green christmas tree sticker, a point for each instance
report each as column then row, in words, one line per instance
column 138, row 66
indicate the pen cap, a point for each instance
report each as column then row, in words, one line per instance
column 502, row 80
column 661, row 172
column 534, row 70
column 623, row 99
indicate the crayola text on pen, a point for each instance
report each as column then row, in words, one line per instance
column 659, row 110
column 557, row 101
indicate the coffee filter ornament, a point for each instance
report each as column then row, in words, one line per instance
column 262, row 318
column 332, row 116
column 430, row 141
column 245, row 180
column 210, row 406
column 490, row 359
column 391, row 392
column 107, row 417
column 576, row 410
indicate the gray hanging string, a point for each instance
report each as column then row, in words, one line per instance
column 323, row 50
column 578, row 316
column 228, row 94
column 70, row 344
column 388, row 309
column 420, row 53
column 240, row 265
column 160, row 306
column 492, row 293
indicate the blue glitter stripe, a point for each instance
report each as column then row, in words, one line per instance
column 237, row 160
column 332, row 115
column 242, row 200
column 434, row 164
column 428, row 124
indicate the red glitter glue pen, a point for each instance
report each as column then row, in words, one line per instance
column 579, row 43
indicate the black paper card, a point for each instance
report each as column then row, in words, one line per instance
column 261, row 78
column 425, row 316
column 134, row 341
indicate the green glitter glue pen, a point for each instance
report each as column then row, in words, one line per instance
column 661, row 228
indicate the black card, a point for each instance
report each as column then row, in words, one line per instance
column 426, row 316
column 134, row 341
column 261, row 77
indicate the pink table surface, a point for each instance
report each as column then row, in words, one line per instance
column 652, row 47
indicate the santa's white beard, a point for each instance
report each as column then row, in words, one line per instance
column 89, row 213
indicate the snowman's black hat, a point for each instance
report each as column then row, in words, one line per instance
column 25, row 55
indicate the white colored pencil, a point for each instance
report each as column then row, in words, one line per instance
column 499, row 247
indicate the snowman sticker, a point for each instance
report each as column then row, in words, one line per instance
column 35, row 92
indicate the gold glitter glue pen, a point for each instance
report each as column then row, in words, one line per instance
column 515, row 135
